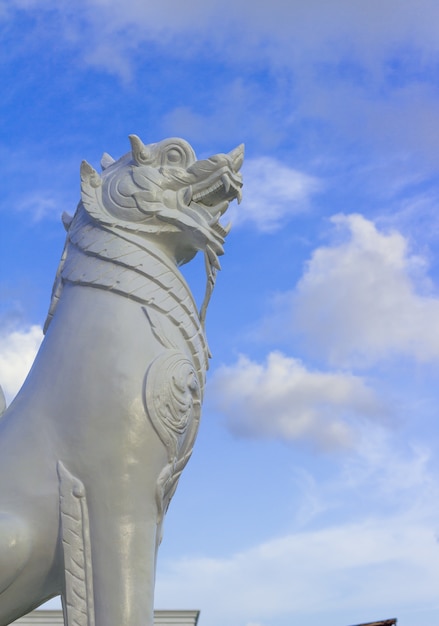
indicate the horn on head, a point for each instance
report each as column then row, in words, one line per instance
column 141, row 154
column 237, row 156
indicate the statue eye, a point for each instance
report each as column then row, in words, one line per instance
column 175, row 153
column 174, row 156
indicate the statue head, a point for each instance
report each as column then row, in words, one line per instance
column 161, row 189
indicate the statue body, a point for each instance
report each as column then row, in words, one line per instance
column 92, row 447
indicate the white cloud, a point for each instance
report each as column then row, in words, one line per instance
column 364, row 299
column 366, row 566
column 17, row 353
column 274, row 193
column 282, row 399
column 386, row 473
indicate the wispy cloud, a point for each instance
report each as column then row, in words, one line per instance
column 17, row 353
column 282, row 399
column 306, row 573
column 359, row 72
column 236, row 105
column 366, row 29
column 39, row 206
column 42, row 179
column 383, row 548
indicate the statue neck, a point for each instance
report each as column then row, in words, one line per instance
column 124, row 263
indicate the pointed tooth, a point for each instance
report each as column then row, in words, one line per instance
column 222, row 207
column 227, row 228
column 226, row 182
column 213, row 258
column 239, row 195
column 187, row 196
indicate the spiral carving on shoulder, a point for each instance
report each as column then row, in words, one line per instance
column 172, row 399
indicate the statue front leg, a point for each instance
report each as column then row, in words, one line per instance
column 124, row 557
column 109, row 544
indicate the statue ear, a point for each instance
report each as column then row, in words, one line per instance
column 107, row 160
column 89, row 176
column 141, row 154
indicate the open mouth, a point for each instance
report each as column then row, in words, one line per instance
column 225, row 189
column 213, row 195
column 213, row 184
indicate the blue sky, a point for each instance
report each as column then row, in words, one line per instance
column 312, row 494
